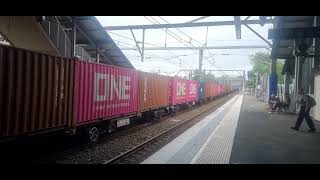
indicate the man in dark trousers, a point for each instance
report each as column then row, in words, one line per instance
column 305, row 103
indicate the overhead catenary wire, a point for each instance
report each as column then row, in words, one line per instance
column 194, row 40
column 132, row 39
column 193, row 45
column 166, row 59
column 163, row 30
column 172, row 34
column 182, row 32
column 177, row 38
column 152, row 54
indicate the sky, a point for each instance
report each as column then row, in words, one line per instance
column 170, row 62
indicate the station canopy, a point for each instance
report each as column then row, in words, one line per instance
column 90, row 35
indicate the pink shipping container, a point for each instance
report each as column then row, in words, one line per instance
column 193, row 90
column 180, row 91
column 220, row 89
column 103, row 92
column 216, row 89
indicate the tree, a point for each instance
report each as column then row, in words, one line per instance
column 261, row 62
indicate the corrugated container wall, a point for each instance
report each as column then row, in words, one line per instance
column 104, row 92
column 201, row 90
column 153, row 91
column 222, row 89
column 210, row 89
column 215, row 89
column 193, row 90
column 180, row 91
column 35, row 91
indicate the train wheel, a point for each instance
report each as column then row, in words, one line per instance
column 112, row 126
column 93, row 134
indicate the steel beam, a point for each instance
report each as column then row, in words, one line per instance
column 223, row 70
column 262, row 20
column 316, row 42
column 294, row 33
column 180, row 25
column 247, row 18
column 258, row 35
column 74, row 38
column 197, row 48
column 142, row 53
column 237, row 24
column 86, row 36
column 200, row 59
column 198, row 19
column 135, row 40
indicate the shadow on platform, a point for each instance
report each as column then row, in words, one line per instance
column 263, row 138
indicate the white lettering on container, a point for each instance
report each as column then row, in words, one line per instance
column 193, row 89
column 181, row 89
column 113, row 87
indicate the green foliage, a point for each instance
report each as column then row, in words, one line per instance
column 261, row 62
column 280, row 64
column 250, row 83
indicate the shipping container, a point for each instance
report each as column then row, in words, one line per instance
column 179, row 92
column 210, row 89
column 153, row 91
column 221, row 89
column 193, row 90
column 103, row 92
column 216, row 89
column 201, row 90
column 36, row 92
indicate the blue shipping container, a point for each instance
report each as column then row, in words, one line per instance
column 201, row 92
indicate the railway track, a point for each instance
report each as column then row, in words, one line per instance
column 138, row 153
column 107, row 149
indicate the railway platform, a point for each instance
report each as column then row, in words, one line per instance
column 242, row 132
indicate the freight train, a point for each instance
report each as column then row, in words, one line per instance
column 41, row 93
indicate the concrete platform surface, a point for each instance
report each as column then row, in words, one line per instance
column 185, row 148
column 263, row 138
column 242, row 132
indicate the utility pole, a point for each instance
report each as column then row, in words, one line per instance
column 200, row 59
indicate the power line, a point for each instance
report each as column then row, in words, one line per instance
column 133, row 39
column 152, row 54
column 171, row 34
column 182, row 42
column 125, row 43
column 174, row 56
column 163, row 30
column 169, row 59
column 174, row 36
column 181, row 31
column 191, row 43
column 190, row 39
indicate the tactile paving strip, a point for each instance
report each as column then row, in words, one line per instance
column 182, row 149
column 217, row 149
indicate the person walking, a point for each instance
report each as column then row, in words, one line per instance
column 306, row 102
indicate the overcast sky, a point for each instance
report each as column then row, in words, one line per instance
column 167, row 61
